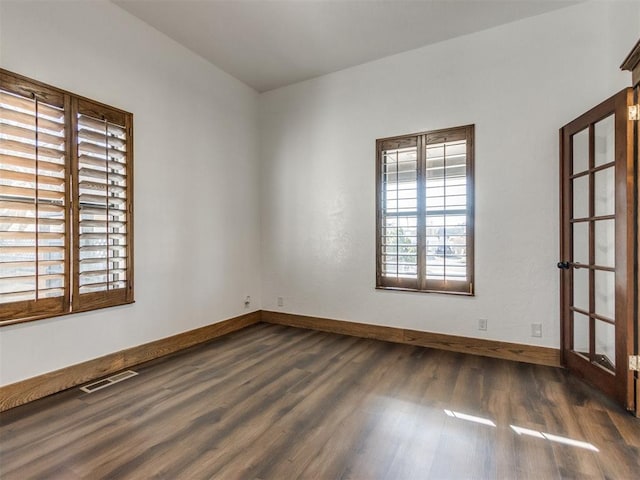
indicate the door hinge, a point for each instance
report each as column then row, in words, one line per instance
column 634, row 112
column 634, row 363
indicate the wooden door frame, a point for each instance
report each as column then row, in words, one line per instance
column 632, row 64
column 636, row 154
column 623, row 391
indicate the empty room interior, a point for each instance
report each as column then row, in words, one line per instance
column 370, row 238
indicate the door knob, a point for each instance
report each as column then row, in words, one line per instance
column 564, row 265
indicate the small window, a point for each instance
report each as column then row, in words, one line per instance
column 425, row 211
column 65, row 202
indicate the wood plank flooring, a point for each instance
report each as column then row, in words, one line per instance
column 275, row 402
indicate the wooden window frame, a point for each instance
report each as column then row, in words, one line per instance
column 72, row 300
column 421, row 283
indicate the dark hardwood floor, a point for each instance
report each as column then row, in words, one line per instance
column 274, row 402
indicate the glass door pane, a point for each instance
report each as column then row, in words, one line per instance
column 606, row 345
column 581, row 289
column 581, row 334
column 581, row 197
column 605, row 294
column 605, row 243
column 581, row 151
column 581, row 243
column 605, row 192
column 604, row 142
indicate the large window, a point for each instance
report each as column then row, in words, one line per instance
column 425, row 211
column 65, row 202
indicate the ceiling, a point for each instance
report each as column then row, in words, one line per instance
column 272, row 43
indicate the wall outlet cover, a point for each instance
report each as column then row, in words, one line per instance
column 536, row 330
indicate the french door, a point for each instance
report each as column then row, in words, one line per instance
column 597, row 247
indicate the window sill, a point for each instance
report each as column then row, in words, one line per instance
column 416, row 290
column 6, row 323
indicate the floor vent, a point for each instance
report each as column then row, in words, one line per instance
column 106, row 382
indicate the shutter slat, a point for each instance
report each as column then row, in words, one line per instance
column 102, row 163
column 99, row 137
column 104, row 285
column 30, row 177
column 99, row 125
column 100, row 260
column 30, row 135
column 17, row 101
column 31, row 235
column 102, row 187
column 102, row 223
column 100, row 200
column 102, row 175
column 30, row 207
column 24, row 278
column 113, row 212
column 103, row 248
column 98, row 150
column 29, row 264
column 10, row 250
column 20, row 147
column 30, row 193
column 21, row 296
column 32, row 221
column 101, row 236
column 96, row 273
column 24, row 162
column 30, row 119
column 28, row 104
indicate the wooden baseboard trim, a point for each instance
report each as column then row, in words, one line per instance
column 34, row 388
column 37, row 387
column 475, row 346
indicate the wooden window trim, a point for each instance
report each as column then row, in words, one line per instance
column 420, row 141
column 72, row 301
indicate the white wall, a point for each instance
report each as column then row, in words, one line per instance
column 197, row 238
column 196, row 151
column 518, row 84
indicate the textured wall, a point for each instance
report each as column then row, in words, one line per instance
column 196, row 178
column 518, row 83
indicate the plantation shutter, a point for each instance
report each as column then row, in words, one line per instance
column 66, row 202
column 34, row 221
column 449, row 210
column 102, row 185
column 425, row 211
column 399, row 218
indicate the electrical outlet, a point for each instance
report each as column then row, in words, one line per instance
column 536, row 330
column 482, row 324
column 280, row 302
column 247, row 301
